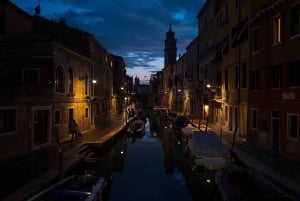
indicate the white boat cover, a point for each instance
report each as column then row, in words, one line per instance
column 189, row 129
column 207, row 143
column 209, row 150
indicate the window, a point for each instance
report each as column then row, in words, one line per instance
column 2, row 24
column 226, row 13
column 277, row 31
column 86, row 84
column 71, row 81
column 293, row 73
column 255, row 40
column 253, row 118
column 276, row 76
column 60, row 80
column 294, row 20
column 237, row 4
column 244, row 75
column 30, row 76
column 275, row 114
column 86, row 113
column 292, row 126
column 57, row 117
column 7, row 120
column 254, row 79
column 236, row 76
column 226, row 80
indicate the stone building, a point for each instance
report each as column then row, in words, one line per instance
column 274, row 92
column 50, row 73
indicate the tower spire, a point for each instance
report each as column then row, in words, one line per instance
column 170, row 50
column 38, row 9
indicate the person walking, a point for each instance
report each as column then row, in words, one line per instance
column 74, row 129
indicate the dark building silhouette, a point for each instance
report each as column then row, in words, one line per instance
column 170, row 47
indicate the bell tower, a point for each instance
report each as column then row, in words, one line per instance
column 170, row 47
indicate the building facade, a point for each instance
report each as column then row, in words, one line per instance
column 274, row 108
column 206, row 89
column 50, row 74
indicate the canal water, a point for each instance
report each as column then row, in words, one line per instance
column 151, row 167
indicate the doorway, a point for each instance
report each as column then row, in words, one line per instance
column 40, row 127
column 275, row 130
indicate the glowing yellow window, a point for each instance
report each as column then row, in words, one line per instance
column 277, row 35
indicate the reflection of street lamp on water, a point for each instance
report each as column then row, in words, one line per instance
column 206, row 106
column 178, row 99
column 206, row 112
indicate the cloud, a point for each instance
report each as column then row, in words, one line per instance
column 133, row 29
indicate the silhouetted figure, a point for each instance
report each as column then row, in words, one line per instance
column 74, row 129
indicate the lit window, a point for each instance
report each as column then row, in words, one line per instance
column 292, row 126
column 277, row 30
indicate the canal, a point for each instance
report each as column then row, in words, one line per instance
column 151, row 166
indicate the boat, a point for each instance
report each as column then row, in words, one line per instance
column 170, row 115
column 189, row 130
column 237, row 183
column 75, row 188
column 137, row 127
column 180, row 122
column 207, row 152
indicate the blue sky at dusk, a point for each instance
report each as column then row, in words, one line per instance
column 133, row 29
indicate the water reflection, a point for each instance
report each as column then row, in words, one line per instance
column 151, row 167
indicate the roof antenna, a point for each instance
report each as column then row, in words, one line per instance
column 37, row 9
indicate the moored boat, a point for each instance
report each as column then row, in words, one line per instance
column 180, row 122
column 189, row 130
column 137, row 127
column 237, row 183
column 207, row 152
column 75, row 188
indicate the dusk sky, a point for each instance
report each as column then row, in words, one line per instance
column 133, row 29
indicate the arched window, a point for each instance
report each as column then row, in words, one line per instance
column 70, row 82
column 59, row 80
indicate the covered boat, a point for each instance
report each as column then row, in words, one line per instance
column 189, row 130
column 207, row 152
column 75, row 188
column 180, row 122
column 137, row 127
column 236, row 183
